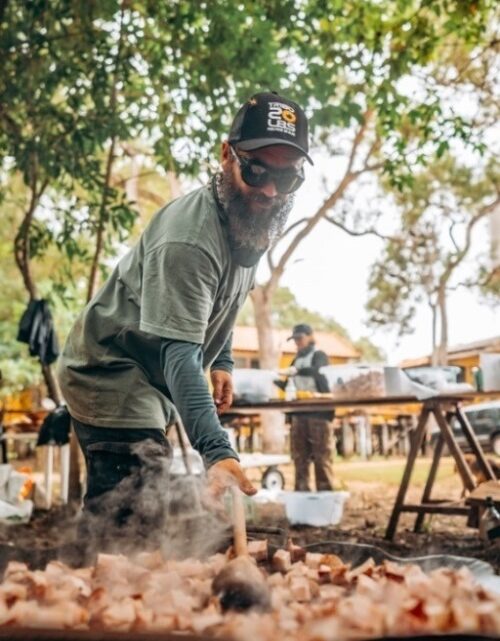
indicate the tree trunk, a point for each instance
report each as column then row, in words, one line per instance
column 273, row 427
column 22, row 257
column 434, row 353
column 101, row 226
column 268, row 352
column 23, row 262
column 94, row 268
column 174, row 184
column 273, row 423
column 51, row 383
column 443, row 320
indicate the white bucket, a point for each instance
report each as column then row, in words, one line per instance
column 314, row 508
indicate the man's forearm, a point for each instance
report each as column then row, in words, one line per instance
column 182, row 367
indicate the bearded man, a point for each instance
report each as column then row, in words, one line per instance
column 137, row 354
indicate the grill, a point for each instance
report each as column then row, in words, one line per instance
column 75, row 555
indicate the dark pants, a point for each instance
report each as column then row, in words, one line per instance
column 127, row 485
column 311, row 440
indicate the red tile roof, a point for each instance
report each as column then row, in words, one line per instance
column 245, row 340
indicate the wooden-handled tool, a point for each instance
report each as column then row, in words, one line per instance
column 239, row 523
column 240, row 585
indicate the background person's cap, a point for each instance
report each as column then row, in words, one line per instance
column 269, row 119
column 302, row 329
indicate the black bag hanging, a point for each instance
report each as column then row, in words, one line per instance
column 36, row 328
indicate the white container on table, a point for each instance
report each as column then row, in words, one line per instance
column 314, row 508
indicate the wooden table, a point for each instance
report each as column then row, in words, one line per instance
column 488, row 489
column 444, row 408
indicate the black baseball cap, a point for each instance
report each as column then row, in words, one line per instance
column 269, row 119
column 302, row 329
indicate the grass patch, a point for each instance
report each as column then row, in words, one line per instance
column 390, row 471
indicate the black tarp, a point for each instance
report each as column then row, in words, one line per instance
column 36, row 328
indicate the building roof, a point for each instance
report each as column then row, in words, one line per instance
column 463, row 350
column 485, row 344
column 245, row 340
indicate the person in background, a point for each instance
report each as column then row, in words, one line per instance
column 311, row 433
column 136, row 356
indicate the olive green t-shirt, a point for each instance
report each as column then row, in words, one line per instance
column 179, row 282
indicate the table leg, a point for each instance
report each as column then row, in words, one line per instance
column 347, row 439
column 49, row 474
column 474, row 444
column 403, row 487
column 438, row 451
column 251, row 445
column 384, row 439
column 455, row 451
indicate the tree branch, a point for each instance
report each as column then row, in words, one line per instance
column 22, row 239
column 452, row 237
column 124, row 181
column 348, row 177
column 364, row 232
column 453, row 263
column 107, row 175
column 289, row 229
column 491, row 276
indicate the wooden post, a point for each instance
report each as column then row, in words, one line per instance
column 438, row 451
column 64, row 466
column 239, row 522
column 347, row 438
column 49, row 474
column 403, row 487
column 474, row 444
column 384, row 439
column 455, row 451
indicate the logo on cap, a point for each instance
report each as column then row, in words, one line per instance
column 282, row 118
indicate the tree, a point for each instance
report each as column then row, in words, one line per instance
column 377, row 108
column 287, row 312
column 17, row 372
column 463, row 194
column 50, row 126
column 80, row 81
column 424, row 259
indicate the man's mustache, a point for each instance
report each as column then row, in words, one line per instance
column 266, row 200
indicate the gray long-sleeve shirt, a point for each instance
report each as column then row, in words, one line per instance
column 180, row 283
column 182, row 365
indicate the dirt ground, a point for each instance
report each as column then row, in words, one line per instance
column 372, row 487
column 367, row 513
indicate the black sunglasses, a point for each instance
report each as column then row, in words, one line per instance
column 256, row 174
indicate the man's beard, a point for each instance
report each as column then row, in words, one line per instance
column 247, row 229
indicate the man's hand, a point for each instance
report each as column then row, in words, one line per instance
column 222, row 383
column 226, row 473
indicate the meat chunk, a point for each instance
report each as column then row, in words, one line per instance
column 282, row 561
column 317, row 598
column 258, row 550
column 300, row 589
column 297, row 553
